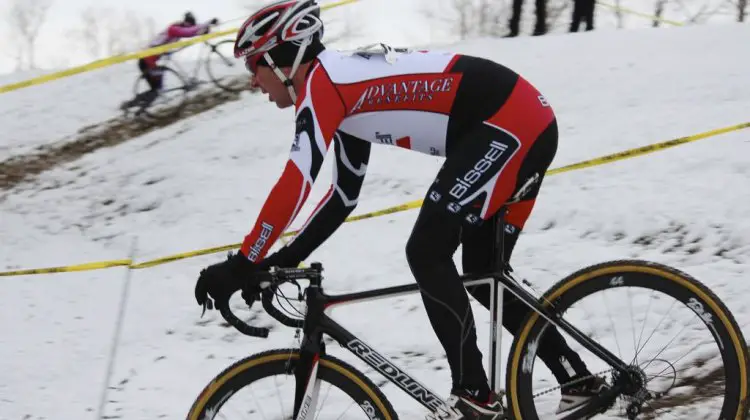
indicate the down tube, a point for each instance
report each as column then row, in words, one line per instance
column 380, row 363
column 554, row 319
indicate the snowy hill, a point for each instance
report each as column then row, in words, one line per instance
column 201, row 182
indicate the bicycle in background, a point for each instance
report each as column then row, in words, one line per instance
column 223, row 70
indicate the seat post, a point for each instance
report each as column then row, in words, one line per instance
column 498, row 251
column 496, row 300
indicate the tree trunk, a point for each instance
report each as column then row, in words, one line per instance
column 658, row 12
column 619, row 14
column 741, row 10
column 32, row 64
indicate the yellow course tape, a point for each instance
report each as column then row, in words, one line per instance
column 64, row 269
column 627, row 154
column 651, row 148
column 105, row 62
column 109, row 61
column 643, row 15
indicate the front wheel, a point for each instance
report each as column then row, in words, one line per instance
column 684, row 350
column 225, row 71
column 263, row 387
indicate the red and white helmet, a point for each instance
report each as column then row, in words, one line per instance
column 282, row 22
column 276, row 23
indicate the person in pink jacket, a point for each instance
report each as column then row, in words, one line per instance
column 187, row 28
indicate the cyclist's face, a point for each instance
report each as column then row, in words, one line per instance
column 270, row 84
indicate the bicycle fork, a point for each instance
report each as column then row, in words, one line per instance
column 306, row 394
column 306, row 371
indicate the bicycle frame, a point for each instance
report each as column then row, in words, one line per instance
column 317, row 322
column 199, row 62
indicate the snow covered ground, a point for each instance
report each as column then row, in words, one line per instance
column 201, row 181
column 48, row 113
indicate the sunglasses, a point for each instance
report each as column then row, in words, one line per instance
column 252, row 62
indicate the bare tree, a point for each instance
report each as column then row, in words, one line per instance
column 12, row 49
column 737, row 8
column 90, row 30
column 104, row 31
column 341, row 38
column 706, row 11
column 467, row 18
column 741, row 10
column 25, row 18
column 658, row 12
column 342, row 27
column 129, row 32
column 556, row 9
column 619, row 14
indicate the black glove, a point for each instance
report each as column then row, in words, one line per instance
column 221, row 280
column 214, row 21
column 284, row 257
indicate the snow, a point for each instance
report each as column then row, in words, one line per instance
column 46, row 114
column 201, row 181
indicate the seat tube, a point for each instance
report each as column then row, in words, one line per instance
column 496, row 302
column 497, row 332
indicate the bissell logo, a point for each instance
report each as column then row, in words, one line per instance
column 265, row 233
column 403, row 92
column 463, row 185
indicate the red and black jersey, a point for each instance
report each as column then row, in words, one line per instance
column 422, row 101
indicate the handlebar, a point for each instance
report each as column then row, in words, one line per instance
column 269, row 281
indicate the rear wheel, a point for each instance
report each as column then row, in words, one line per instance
column 262, row 387
column 169, row 101
column 686, row 352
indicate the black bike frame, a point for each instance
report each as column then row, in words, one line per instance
column 317, row 322
column 192, row 79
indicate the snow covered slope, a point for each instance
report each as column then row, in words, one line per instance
column 201, row 182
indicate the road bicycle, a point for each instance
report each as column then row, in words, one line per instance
column 715, row 366
column 221, row 67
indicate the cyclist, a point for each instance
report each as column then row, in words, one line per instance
column 186, row 28
column 498, row 135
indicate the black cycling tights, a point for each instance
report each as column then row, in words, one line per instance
column 435, row 238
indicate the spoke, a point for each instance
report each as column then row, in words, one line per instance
column 260, row 407
column 278, row 395
column 324, row 400
column 643, row 327
column 683, row 356
column 665, row 346
column 347, row 409
column 657, row 327
column 612, row 323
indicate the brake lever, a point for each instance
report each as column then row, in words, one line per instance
column 209, row 303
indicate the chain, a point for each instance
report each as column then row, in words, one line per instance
column 581, row 379
column 445, row 413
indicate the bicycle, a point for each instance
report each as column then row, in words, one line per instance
column 172, row 98
column 629, row 382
